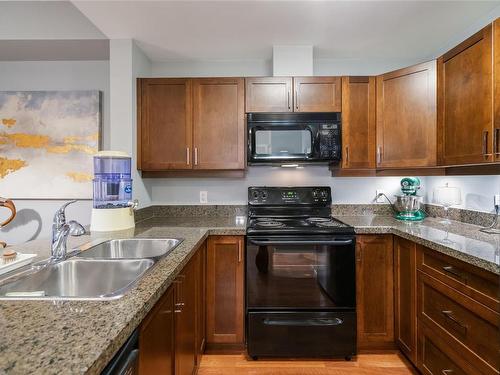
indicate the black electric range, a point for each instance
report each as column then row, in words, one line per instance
column 300, row 275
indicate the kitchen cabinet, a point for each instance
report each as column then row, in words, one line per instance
column 225, row 290
column 191, row 124
column 269, row 94
column 465, row 101
column 185, row 320
column 156, row 338
column 297, row 94
column 496, row 90
column 375, row 291
column 201, row 301
column 219, row 123
column 358, row 122
column 405, row 287
column 406, row 117
column 164, row 123
column 317, row 94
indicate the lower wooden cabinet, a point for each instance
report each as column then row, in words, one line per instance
column 225, row 290
column 405, row 287
column 201, row 301
column 375, row 291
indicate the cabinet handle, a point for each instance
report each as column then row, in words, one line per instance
column 485, row 143
column 179, row 304
column 297, row 100
column 359, row 257
column 449, row 315
column 496, row 141
column 453, row 271
column 447, row 371
column 187, row 155
column 239, row 252
column 347, row 154
column 288, row 100
column 196, row 156
column 379, row 154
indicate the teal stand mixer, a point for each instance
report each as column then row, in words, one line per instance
column 407, row 206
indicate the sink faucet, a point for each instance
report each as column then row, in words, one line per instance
column 60, row 232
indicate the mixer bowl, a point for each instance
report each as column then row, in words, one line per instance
column 407, row 203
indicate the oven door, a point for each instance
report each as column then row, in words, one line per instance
column 275, row 143
column 301, row 273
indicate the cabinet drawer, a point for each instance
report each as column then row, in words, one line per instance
column 481, row 285
column 436, row 358
column 467, row 325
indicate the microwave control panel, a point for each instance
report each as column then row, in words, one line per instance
column 329, row 141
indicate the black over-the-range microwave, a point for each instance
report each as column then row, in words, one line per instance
column 294, row 138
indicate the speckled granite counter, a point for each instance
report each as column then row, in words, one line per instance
column 74, row 337
column 459, row 240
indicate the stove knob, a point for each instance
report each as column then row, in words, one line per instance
column 324, row 194
column 255, row 194
column 315, row 194
column 263, row 195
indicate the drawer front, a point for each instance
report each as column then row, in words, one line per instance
column 479, row 284
column 464, row 321
column 435, row 357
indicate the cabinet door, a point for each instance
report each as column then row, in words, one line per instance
column 156, row 338
column 201, row 301
column 317, row 94
column 225, row 286
column 269, row 94
column 185, row 322
column 405, row 309
column 219, row 123
column 406, row 117
column 164, row 124
column 496, row 92
column 358, row 122
column 465, row 100
column 374, row 291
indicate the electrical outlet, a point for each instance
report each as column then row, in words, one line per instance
column 379, row 198
column 203, row 196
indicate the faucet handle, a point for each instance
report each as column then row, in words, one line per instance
column 60, row 216
column 75, row 228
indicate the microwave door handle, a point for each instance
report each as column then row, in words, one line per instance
column 301, row 242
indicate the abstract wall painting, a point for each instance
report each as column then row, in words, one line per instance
column 47, row 140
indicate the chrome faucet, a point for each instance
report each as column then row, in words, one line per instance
column 60, row 232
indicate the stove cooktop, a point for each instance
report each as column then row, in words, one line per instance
column 296, row 225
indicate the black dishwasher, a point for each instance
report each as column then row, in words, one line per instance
column 126, row 361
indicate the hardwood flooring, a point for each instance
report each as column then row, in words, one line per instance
column 383, row 363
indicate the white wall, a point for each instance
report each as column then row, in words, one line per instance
column 35, row 216
column 127, row 62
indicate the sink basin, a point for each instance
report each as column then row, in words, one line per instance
column 79, row 279
column 132, row 248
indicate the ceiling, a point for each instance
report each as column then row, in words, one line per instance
column 239, row 30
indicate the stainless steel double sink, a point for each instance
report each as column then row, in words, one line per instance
column 97, row 271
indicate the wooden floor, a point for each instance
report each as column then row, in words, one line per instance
column 383, row 363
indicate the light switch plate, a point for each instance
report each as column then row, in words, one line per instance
column 203, row 196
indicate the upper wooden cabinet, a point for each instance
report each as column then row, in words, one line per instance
column 219, row 123
column 188, row 124
column 269, row 94
column 358, row 122
column 298, row 94
column 406, row 117
column 465, row 101
column 317, row 94
column 164, row 124
column 496, row 92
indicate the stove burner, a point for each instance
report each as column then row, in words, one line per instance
column 329, row 224
column 318, row 219
column 270, row 224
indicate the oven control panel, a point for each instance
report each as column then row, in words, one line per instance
column 280, row 196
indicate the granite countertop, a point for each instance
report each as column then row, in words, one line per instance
column 459, row 240
column 70, row 337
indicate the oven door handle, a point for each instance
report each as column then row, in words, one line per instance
column 301, row 242
column 303, row 322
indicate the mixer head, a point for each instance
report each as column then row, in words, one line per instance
column 410, row 185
